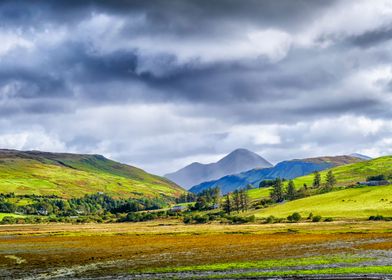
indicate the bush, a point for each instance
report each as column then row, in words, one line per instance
column 187, row 220
column 377, row 218
column 199, row 219
column 295, row 217
column 329, row 219
column 310, row 217
column 270, row 219
column 316, row 219
column 8, row 220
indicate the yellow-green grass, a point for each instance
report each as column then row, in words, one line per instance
column 2, row 215
column 30, row 176
column 259, row 193
column 352, row 173
column 360, row 202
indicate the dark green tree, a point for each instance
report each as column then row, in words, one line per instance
column 316, row 180
column 291, row 192
column 330, row 181
column 227, row 204
column 277, row 194
column 237, row 200
column 244, row 200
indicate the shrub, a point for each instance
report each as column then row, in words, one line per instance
column 310, row 217
column 8, row 220
column 316, row 219
column 270, row 219
column 329, row 219
column 376, row 218
column 201, row 219
column 295, row 217
column 187, row 220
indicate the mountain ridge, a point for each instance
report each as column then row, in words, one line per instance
column 289, row 169
column 236, row 161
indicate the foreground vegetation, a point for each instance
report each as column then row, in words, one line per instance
column 169, row 249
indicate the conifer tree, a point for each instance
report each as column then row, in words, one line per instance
column 330, row 181
column 291, row 192
column 277, row 194
column 228, row 205
column 316, row 180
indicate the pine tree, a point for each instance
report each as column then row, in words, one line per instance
column 277, row 191
column 316, row 180
column 244, row 200
column 291, row 192
column 237, row 200
column 227, row 205
column 330, row 181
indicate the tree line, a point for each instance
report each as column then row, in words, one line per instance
column 280, row 193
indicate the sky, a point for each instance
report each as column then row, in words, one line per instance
column 161, row 84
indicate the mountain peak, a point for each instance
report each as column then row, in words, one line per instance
column 236, row 161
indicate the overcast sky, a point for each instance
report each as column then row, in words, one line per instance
column 160, row 84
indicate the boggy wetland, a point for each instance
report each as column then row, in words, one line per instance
column 171, row 250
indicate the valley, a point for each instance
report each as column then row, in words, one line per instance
column 328, row 223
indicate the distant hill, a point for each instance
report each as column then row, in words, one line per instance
column 360, row 156
column 73, row 175
column 285, row 169
column 353, row 202
column 237, row 161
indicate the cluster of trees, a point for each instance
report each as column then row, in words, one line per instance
column 186, row 197
column 330, row 181
column 380, row 177
column 94, row 204
column 280, row 193
column 236, row 201
column 207, row 199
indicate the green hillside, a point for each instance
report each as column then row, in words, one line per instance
column 74, row 175
column 360, row 202
column 348, row 200
column 352, row 173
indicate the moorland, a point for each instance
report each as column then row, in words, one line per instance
column 334, row 222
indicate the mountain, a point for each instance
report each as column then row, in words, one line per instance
column 285, row 169
column 237, row 161
column 360, row 156
column 74, row 175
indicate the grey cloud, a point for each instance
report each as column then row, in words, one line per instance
column 197, row 99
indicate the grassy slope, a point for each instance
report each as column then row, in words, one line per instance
column 350, row 203
column 69, row 175
column 352, row 173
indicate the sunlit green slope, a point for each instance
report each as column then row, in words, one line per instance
column 73, row 175
column 349, row 201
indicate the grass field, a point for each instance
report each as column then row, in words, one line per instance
column 360, row 202
column 255, row 194
column 167, row 249
column 69, row 175
column 2, row 215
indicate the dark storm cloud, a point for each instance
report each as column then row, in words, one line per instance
column 372, row 38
